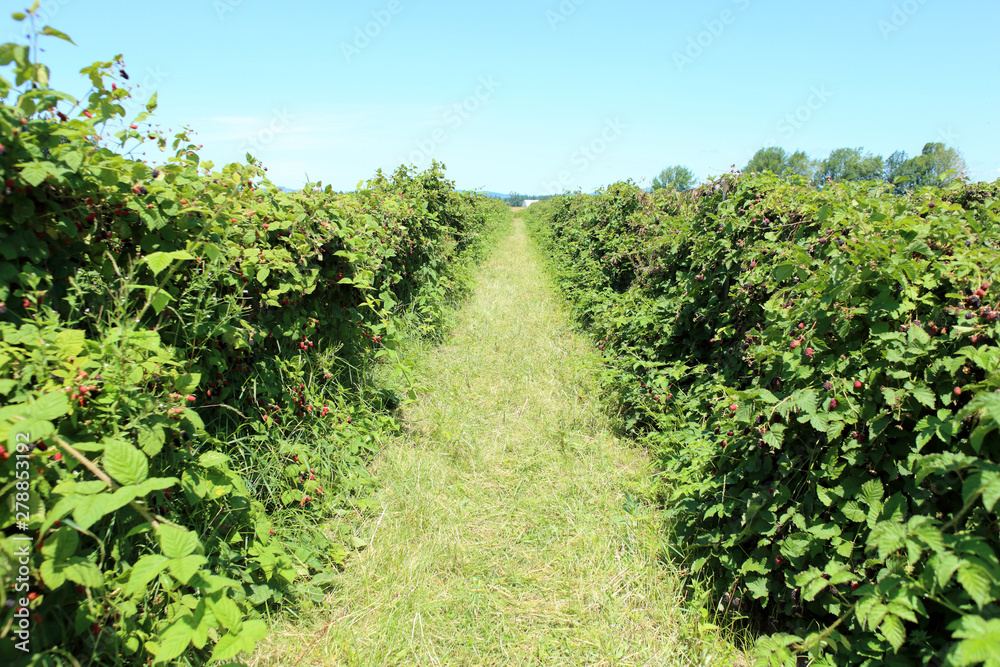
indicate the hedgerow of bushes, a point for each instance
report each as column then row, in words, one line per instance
column 817, row 373
column 186, row 373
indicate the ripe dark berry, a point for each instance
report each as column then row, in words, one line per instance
column 828, row 386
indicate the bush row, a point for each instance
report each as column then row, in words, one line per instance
column 817, row 373
column 186, row 373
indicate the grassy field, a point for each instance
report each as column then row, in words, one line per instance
column 509, row 526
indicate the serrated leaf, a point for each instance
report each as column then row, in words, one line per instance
column 176, row 542
column 872, row 492
column 158, row 261
column 977, row 583
column 84, row 573
column 853, row 511
column 185, row 568
column 52, row 405
column 233, row 644
column 161, row 299
column 888, row 537
column 814, row 588
column 144, row 571
column 125, row 463
column 893, row 630
column 62, row 544
column 925, row 396
column 174, row 641
column 228, row 613
column 980, row 642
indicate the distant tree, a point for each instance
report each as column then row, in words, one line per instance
column 515, row 199
column 677, row 177
column 850, row 164
column 779, row 163
column 800, row 164
column 936, row 165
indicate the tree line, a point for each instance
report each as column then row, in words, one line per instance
column 937, row 165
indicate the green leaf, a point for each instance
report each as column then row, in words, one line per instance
column 888, row 537
column 52, row 32
column 893, row 630
column 991, row 490
column 185, row 568
column 173, row 641
column 758, row 587
column 228, row 613
column 160, row 301
column 980, row 642
column 233, row 644
column 872, row 492
column 52, row 405
column 144, row 571
column 90, row 509
column 151, row 104
column 925, row 395
column 35, row 173
column 176, row 542
column 84, row 573
column 127, row 464
column 158, row 261
column 977, row 582
column 61, row 544
column 155, row 484
column 853, row 511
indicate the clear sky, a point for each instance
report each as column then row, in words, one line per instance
column 537, row 96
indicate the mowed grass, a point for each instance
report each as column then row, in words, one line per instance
column 509, row 528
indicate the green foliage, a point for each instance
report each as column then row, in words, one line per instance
column 817, row 373
column 186, row 373
column 677, row 177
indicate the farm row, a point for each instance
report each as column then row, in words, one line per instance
column 186, row 373
column 817, row 375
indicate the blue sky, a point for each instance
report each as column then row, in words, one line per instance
column 542, row 96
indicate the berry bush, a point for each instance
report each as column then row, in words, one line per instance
column 187, row 372
column 818, row 375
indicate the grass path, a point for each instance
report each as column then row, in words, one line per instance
column 507, row 531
